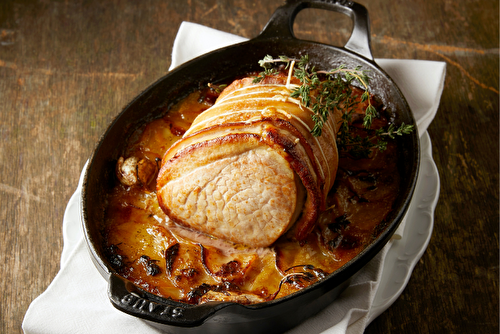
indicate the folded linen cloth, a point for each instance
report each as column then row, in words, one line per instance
column 76, row 301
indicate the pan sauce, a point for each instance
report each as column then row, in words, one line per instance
column 143, row 246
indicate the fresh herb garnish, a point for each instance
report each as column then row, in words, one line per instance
column 325, row 91
column 217, row 88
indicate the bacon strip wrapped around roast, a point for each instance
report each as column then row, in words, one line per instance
column 248, row 169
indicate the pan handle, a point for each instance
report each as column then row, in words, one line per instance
column 128, row 298
column 280, row 24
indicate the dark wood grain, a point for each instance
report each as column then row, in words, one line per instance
column 68, row 67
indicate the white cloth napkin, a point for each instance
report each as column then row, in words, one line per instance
column 76, row 301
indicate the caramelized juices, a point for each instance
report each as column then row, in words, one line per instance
column 171, row 261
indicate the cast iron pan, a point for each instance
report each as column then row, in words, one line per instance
column 276, row 39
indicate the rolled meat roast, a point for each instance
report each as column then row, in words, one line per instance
column 248, row 169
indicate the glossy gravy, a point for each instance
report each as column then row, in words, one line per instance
column 145, row 247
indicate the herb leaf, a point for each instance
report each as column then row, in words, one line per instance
column 334, row 91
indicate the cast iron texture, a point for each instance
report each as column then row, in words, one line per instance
column 277, row 38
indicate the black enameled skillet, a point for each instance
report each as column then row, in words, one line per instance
column 276, row 38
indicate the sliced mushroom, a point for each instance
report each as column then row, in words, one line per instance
column 126, row 170
column 132, row 171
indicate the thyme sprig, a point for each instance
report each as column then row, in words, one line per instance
column 325, row 91
column 217, row 88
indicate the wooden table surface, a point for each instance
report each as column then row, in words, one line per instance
column 68, row 67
